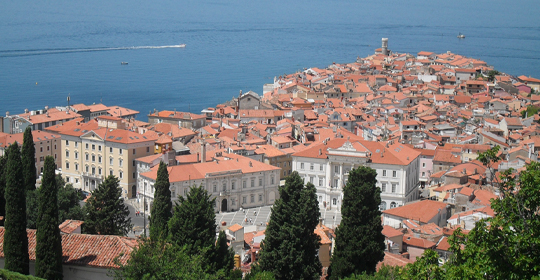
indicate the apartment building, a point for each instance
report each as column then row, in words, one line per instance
column 91, row 153
column 327, row 166
column 235, row 181
column 45, row 143
column 181, row 119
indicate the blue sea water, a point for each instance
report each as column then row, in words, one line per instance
column 49, row 49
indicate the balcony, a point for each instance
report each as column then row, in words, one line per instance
column 224, row 193
column 93, row 176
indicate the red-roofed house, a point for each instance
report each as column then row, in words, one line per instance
column 423, row 212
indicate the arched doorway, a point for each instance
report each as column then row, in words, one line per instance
column 133, row 191
column 224, row 205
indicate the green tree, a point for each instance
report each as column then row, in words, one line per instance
column 28, row 159
column 105, row 210
column 424, row 268
column 288, row 246
column 161, row 211
column 359, row 241
column 223, row 257
column 48, row 239
column 492, row 74
column 507, row 245
column 32, row 202
column 193, row 223
column 3, row 165
column 154, row 260
column 15, row 238
column 531, row 111
column 68, row 202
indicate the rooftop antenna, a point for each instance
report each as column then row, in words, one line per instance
column 68, row 99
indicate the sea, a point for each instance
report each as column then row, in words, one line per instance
column 53, row 49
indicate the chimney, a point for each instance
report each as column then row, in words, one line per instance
column 198, row 157
column 203, row 152
column 250, row 164
column 475, row 171
column 320, row 152
column 464, row 171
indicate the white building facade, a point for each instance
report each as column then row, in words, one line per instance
column 235, row 181
column 327, row 166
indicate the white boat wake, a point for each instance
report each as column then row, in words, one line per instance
column 30, row 52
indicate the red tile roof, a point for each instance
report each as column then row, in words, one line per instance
column 422, row 211
column 85, row 249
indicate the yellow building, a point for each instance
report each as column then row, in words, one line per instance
column 91, row 153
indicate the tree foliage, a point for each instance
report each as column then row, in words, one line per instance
column 288, row 250
column 359, row 242
column 530, row 111
column 3, row 165
column 105, row 210
column 32, row 216
column 223, row 256
column 15, row 238
column 161, row 211
column 48, row 239
column 194, row 222
column 28, row 159
column 68, row 202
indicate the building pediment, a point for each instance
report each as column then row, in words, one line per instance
column 91, row 135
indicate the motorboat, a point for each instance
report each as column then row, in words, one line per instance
column 182, row 45
column 461, row 36
column 124, row 63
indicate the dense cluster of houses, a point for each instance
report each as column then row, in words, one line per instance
column 419, row 121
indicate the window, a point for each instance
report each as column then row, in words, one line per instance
column 383, row 187
column 134, row 175
column 224, row 186
column 121, row 175
column 302, row 165
column 233, row 185
column 260, row 197
column 67, row 143
column 93, row 147
column 134, row 151
column 244, row 183
column 48, row 148
column 382, row 206
column 120, row 151
column 76, row 167
column 93, row 170
column 233, row 202
column 133, row 162
column 244, row 200
column 384, row 172
column 423, row 164
column 394, row 188
column 311, row 179
column 252, row 200
column 41, row 149
column 185, row 191
column 93, row 158
column 252, row 182
column 393, row 205
column 321, row 183
column 99, row 171
column 110, row 172
column 215, row 187
column 147, row 149
column 394, row 174
column 311, row 166
column 111, row 161
column 67, row 154
column 336, row 168
column 67, row 165
column 76, row 144
column 99, row 148
column 336, row 183
column 87, row 156
column 423, row 174
column 321, row 167
column 110, row 150
column 272, row 179
column 334, row 201
column 99, row 159
column 173, row 193
column 76, row 155
column 86, row 145
column 260, row 182
column 87, row 169
column 120, row 162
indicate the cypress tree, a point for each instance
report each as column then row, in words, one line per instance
column 194, row 222
column 29, row 160
column 15, row 238
column 105, row 210
column 223, row 255
column 161, row 211
column 48, row 239
column 3, row 161
column 289, row 248
column 359, row 240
